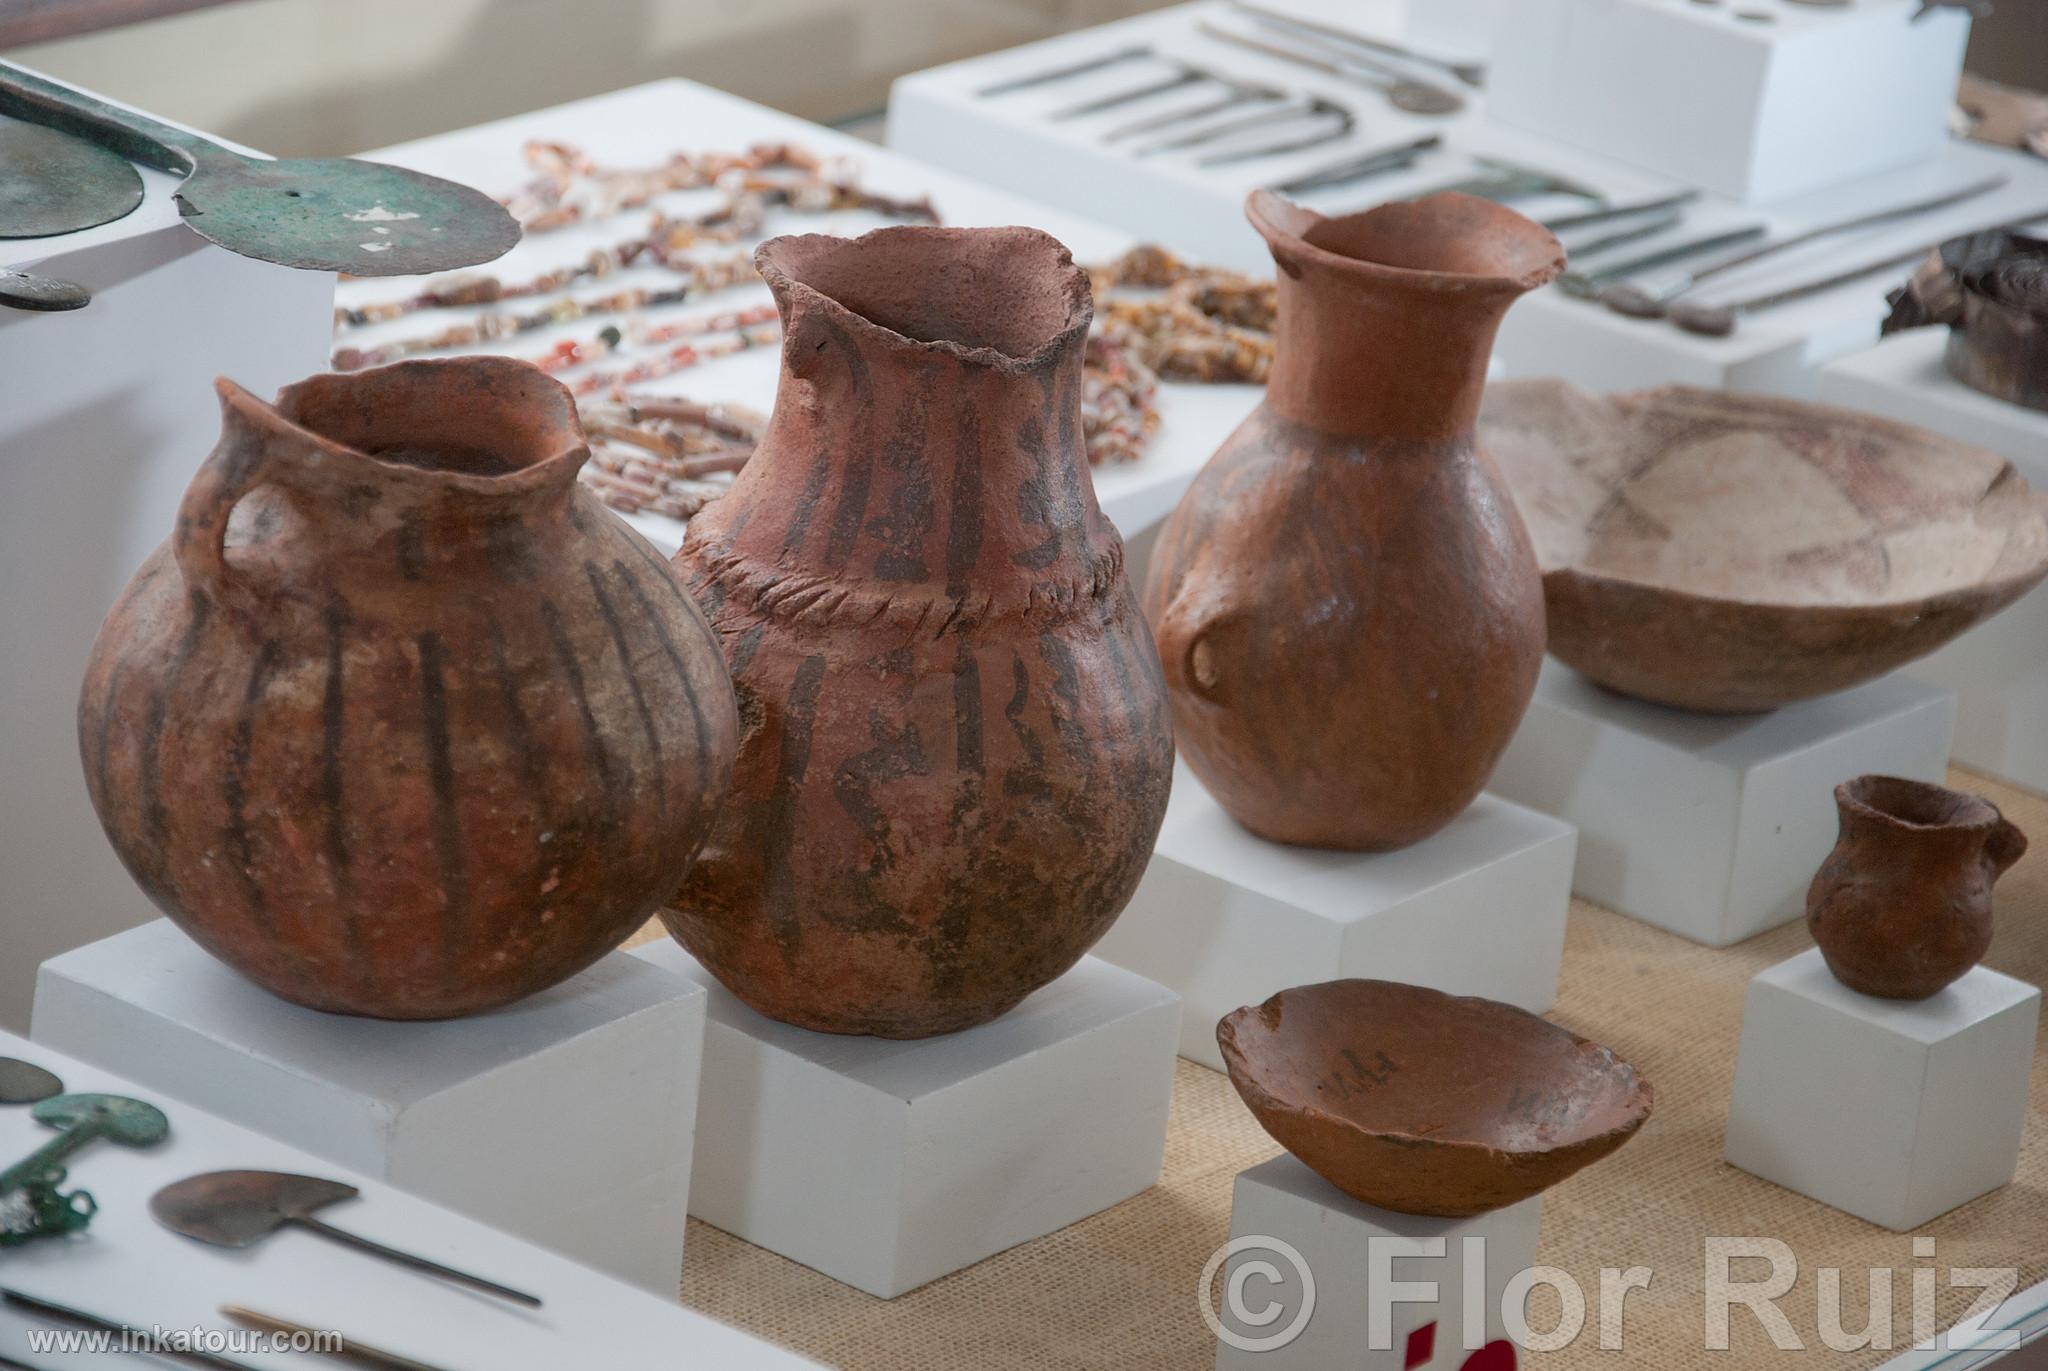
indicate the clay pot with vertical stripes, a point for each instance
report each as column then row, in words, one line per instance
column 955, row 745
column 401, row 722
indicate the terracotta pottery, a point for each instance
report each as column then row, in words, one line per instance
column 1734, row 553
column 401, row 722
column 1902, row 906
column 1427, row 1103
column 1347, row 607
column 955, row 747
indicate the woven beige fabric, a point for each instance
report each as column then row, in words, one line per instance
column 1116, row 1293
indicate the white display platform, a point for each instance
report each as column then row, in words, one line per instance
column 886, row 1165
column 937, row 115
column 565, row 1119
column 1345, row 1245
column 1895, row 1111
column 110, row 409
column 1999, row 670
column 1712, row 825
column 1758, row 101
column 645, row 126
column 1228, row 919
column 127, row 1267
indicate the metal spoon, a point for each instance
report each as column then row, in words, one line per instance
column 1402, row 92
column 1471, row 73
column 320, row 214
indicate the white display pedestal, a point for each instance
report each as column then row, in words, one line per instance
column 939, row 116
column 110, row 409
column 886, row 1165
column 1758, row 101
column 1227, row 919
column 566, row 1119
column 1455, row 28
column 130, row 1267
column 1895, row 1111
column 1335, row 1236
column 1998, row 670
column 1712, row 825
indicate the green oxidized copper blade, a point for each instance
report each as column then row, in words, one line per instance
column 52, row 183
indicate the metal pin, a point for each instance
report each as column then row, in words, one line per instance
column 1359, row 168
column 1239, row 95
column 1188, row 76
column 1042, row 78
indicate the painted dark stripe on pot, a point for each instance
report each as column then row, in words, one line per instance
column 792, row 761
column 593, row 741
column 617, row 629
column 412, row 550
column 968, row 753
column 904, row 527
column 235, row 784
column 155, row 814
column 1066, row 691
column 333, row 787
column 678, row 664
column 533, row 772
column 744, row 647
column 963, row 536
column 441, row 772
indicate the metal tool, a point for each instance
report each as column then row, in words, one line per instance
column 1360, row 168
column 47, row 294
column 127, row 1332
column 1471, row 73
column 52, row 183
column 320, row 214
column 1588, row 285
column 1051, row 74
column 1317, row 108
column 1623, row 237
column 1581, row 218
column 24, row 1082
column 1187, row 75
column 242, row 1208
column 1505, row 180
column 1402, row 92
column 1238, row 94
column 350, row 1349
column 1650, row 299
column 31, row 1205
column 1719, row 321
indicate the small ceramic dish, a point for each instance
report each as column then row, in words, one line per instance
column 1734, row 553
column 1427, row 1103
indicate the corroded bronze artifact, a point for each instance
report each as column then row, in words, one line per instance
column 242, row 1208
column 1347, row 607
column 1902, row 906
column 1427, row 1103
column 52, row 183
column 955, row 746
column 31, row 1204
column 1734, row 553
column 401, row 722
column 24, row 1082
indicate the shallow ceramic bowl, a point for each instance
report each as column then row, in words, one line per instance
column 1427, row 1103
column 1733, row 553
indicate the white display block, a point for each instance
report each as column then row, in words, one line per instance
column 1758, row 100
column 1895, row 1111
column 1712, row 825
column 887, row 1164
column 128, row 1267
column 1228, row 919
column 1336, row 1238
column 109, row 410
column 940, row 117
column 566, row 1118
column 1999, row 669
column 1455, row 28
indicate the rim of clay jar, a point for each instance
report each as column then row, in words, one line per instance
column 1287, row 228
column 559, row 441
column 770, row 260
column 1884, row 797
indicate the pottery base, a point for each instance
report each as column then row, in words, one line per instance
column 886, row 1165
column 566, row 1119
column 1711, row 826
column 1894, row 1111
column 1998, row 670
column 1227, row 919
column 1355, row 1255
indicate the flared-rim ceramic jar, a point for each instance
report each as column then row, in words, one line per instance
column 955, row 749
column 1348, row 609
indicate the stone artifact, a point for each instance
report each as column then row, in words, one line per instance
column 1734, row 553
column 242, row 1208
column 318, row 214
column 401, row 722
column 1427, row 1103
column 1347, row 607
column 955, row 745
column 1902, row 906
column 31, row 1205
